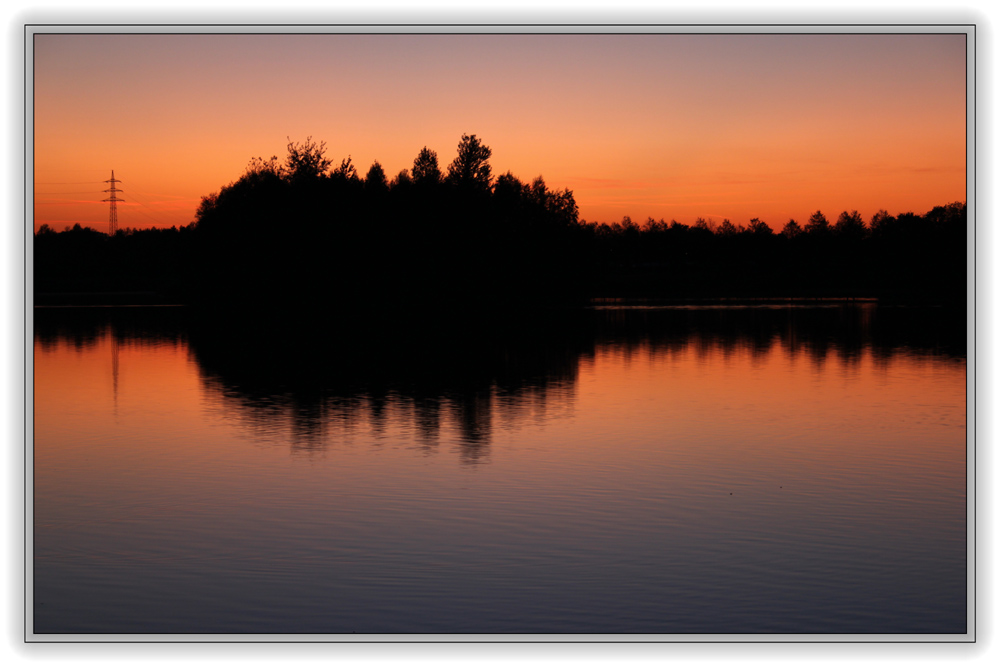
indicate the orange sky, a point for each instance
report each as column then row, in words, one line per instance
column 668, row 126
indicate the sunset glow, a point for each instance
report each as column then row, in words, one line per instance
column 669, row 126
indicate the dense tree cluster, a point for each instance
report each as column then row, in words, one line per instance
column 304, row 229
column 295, row 229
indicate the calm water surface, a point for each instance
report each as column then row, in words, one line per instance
column 620, row 470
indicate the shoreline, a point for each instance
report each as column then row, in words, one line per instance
column 154, row 300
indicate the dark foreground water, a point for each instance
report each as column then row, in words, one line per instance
column 617, row 470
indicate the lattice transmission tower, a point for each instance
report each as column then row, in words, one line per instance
column 113, row 219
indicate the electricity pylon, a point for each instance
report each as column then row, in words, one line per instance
column 113, row 220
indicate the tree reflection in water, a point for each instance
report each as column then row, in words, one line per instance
column 314, row 382
column 303, row 383
column 477, row 374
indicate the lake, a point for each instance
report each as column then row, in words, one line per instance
column 616, row 469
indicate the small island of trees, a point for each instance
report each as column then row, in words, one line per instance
column 306, row 232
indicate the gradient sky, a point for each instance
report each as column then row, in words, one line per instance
column 663, row 126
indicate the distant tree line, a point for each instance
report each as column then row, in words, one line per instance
column 905, row 257
column 80, row 261
column 307, row 230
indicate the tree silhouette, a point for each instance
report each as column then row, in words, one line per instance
column 759, row 227
column 727, row 228
column 471, row 167
column 791, row 230
column 260, row 168
column 306, row 160
column 402, row 179
column 850, row 225
column 508, row 188
column 375, row 179
column 346, row 171
column 818, row 224
column 425, row 167
column 881, row 221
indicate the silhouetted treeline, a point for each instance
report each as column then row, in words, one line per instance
column 133, row 266
column 307, row 231
column 906, row 257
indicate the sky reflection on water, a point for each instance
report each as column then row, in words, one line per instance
column 622, row 470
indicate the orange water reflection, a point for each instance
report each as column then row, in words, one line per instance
column 757, row 395
column 761, row 471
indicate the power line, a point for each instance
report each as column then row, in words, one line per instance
column 139, row 201
column 157, row 220
column 79, row 192
column 68, row 182
column 66, row 201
